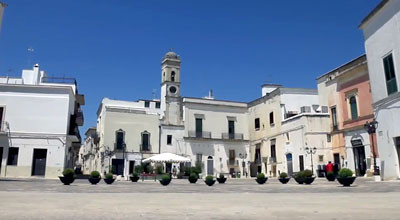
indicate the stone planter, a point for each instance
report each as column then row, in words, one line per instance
column 261, row 181
column 134, row 178
column 165, row 182
column 347, row 181
column 109, row 181
column 330, row 178
column 66, row 179
column 192, row 180
column 309, row 180
column 209, row 182
column 94, row 181
column 284, row 180
column 221, row 180
column 299, row 180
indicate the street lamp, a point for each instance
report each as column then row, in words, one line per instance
column 371, row 127
column 311, row 151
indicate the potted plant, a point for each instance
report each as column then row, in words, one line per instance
column 109, row 179
column 209, row 180
column 135, row 177
column 299, row 177
column 283, row 178
column 94, row 177
column 261, row 179
column 165, row 180
column 68, row 176
column 308, row 177
column 345, row 177
column 193, row 178
column 330, row 176
column 221, row 179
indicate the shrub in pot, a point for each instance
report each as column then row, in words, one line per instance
column 165, row 180
column 209, row 180
column 308, row 177
column 330, row 176
column 261, row 179
column 299, row 177
column 68, row 176
column 94, row 177
column 135, row 177
column 345, row 177
column 221, row 179
column 109, row 178
column 193, row 178
column 284, row 178
column 159, row 169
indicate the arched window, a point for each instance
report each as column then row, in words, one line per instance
column 145, row 146
column 173, row 76
column 119, row 139
column 353, row 107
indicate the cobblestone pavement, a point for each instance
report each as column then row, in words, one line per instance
column 237, row 199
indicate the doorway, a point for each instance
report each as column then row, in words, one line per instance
column 397, row 144
column 301, row 162
column 118, row 166
column 359, row 160
column 336, row 163
column 1, row 157
column 289, row 164
column 210, row 166
column 39, row 162
column 131, row 166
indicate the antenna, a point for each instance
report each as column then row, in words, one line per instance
column 30, row 56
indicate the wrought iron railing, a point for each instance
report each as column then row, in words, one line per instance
column 233, row 136
column 199, row 134
column 64, row 80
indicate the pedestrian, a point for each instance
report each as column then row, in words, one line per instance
column 329, row 167
column 174, row 171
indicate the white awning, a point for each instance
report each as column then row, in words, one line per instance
column 167, row 157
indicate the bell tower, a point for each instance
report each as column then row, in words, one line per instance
column 171, row 101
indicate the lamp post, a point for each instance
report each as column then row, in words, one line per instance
column 311, row 151
column 371, row 127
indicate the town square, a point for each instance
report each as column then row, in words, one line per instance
column 194, row 110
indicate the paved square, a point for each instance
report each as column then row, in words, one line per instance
column 237, row 199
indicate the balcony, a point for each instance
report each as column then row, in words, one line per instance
column 4, row 127
column 272, row 160
column 232, row 136
column 145, row 148
column 201, row 134
column 119, row 147
column 79, row 117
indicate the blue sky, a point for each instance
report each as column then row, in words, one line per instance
column 114, row 47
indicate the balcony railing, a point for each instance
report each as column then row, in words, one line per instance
column 258, row 160
column 4, row 126
column 119, row 147
column 232, row 136
column 272, row 160
column 63, row 80
column 201, row 134
column 146, row 148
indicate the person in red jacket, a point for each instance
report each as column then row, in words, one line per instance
column 329, row 167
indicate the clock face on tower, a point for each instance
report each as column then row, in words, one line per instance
column 172, row 89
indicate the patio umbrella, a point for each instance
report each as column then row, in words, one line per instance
column 167, row 157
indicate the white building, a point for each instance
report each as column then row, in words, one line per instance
column 39, row 117
column 382, row 45
column 88, row 153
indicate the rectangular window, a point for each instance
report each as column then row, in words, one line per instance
column 271, row 118
column 273, row 150
column 145, row 142
column 12, row 156
column 390, row 75
column 199, row 127
column 321, row 158
column 353, row 107
column 231, row 129
column 258, row 154
column 328, row 138
column 334, row 118
column 158, row 104
column 257, row 123
column 147, row 104
column 169, row 139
